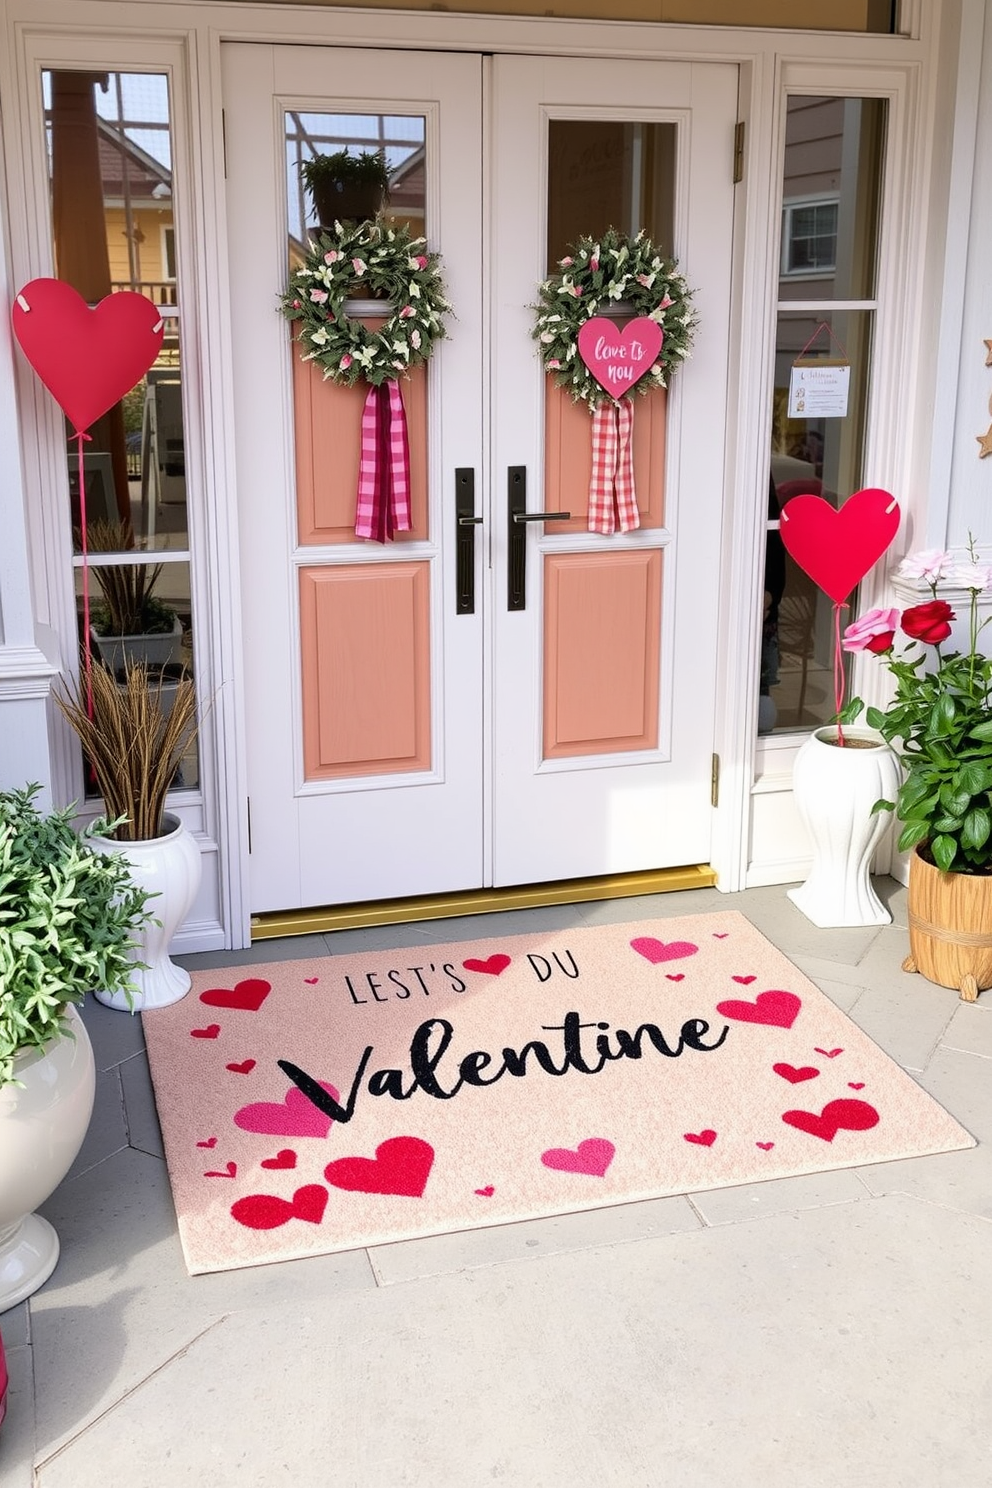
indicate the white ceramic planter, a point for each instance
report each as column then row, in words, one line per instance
column 43, row 1121
column 156, row 648
column 835, row 789
column 168, row 867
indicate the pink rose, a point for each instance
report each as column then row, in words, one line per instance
column 553, row 363
column 344, row 363
column 358, row 266
column 577, row 291
column 407, row 312
column 422, row 260
column 332, row 257
column 594, row 264
column 875, row 631
column 319, row 296
column 566, row 263
column 297, row 304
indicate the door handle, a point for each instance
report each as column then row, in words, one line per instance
column 465, row 524
column 516, row 573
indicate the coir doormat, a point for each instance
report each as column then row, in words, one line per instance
column 315, row 1106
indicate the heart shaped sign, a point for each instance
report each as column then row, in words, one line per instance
column 619, row 358
column 87, row 359
column 837, row 547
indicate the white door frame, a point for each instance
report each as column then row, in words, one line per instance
column 186, row 41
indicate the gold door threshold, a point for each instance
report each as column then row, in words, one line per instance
column 479, row 901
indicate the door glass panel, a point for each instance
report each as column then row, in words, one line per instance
column 831, row 190
column 603, row 173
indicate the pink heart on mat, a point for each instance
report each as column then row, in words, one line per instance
column 828, row 1053
column 311, row 981
column 674, row 976
column 593, row 1156
column 401, row 1165
column 795, row 1076
column 247, row 996
column 284, row 1158
column 487, row 1192
column 837, row 1115
column 777, row 1009
column 703, row 1139
column 231, row 1171
column 657, row 951
column 492, row 967
column 856, row 1084
column 268, row 1212
column 744, row 981
column 765, row 1146
column 211, row 1031
column 244, row 1068
column 294, row 1116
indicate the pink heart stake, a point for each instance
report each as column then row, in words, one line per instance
column 837, row 546
column 87, row 359
column 294, row 1116
column 619, row 358
column 657, row 951
column 593, row 1156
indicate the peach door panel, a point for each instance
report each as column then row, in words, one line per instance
column 365, row 648
column 328, row 447
column 602, row 615
column 568, row 457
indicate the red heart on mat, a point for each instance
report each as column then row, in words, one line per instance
column 828, row 1053
column 657, row 951
column 231, row 1171
column 492, row 967
column 765, row 1146
column 744, row 981
column 87, row 358
column 294, row 1116
column 284, row 1158
column 248, row 995
column 268, row 1212
column 593, row 1156
column 487, row 1192
column 855, row 1084
column 793, row 1075
column 210, row 1142
column 720, row 934
column 777, row 1009
column 311, row 981
column 244, row 1068
column 837, row 1115
column 837, row 547
column 619, row 358
column 674, row 976
column 401, row 1165
column 702, row 1139
column 211, row 1031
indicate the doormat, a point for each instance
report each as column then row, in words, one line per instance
column 321, row 1105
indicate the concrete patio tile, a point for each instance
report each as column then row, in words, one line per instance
column 721, row 1206
column 952, row 1180
column 115, row 1035
column 15, row 1326
column 17, row 1437
column 970, row 1029
column 409, row 1260
column 962, row 1083
column 120, row 1303
column 107, row 1131
column 842, row 994
column 905, row 1014
column 656, row 906
column 771, row 911
column 143, row 1130
column 283, row 948
column 765, row 1355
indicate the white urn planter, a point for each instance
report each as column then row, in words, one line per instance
column 169, row 868
column 43, row 1120
column 835, row 789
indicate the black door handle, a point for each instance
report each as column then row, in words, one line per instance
column 516, row 573
column 465, row 524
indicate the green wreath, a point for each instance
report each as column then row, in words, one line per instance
column 595, row 275
column 389, row 264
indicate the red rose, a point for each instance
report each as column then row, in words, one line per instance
column 928, row 622
column 881, row 642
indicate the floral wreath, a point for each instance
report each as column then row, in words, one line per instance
column 388, row 263
column 596, row 274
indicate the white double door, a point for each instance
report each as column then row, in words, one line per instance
column 398, row 743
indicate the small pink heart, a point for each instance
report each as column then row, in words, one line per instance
column 211, row 1031
column 311, row 981
column 828, row 1053
column 856, row 1084
column 244, row 1068
column 247, row 996
column 492, row 967
column 210, row 1142
column 720, row 934
column 744, row 981
column 765, row 1146
column 487, row 1192
column 619, row 358
column 284, row 1158
column 656, row 951
column 593, row 1156
column 230, row 1172
column 675, row 976
column 796, row 1076
column 702, row 1139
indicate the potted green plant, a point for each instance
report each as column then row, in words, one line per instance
column 135, row 728
column 346, row 187
column 130, row 623
column 69, row 920
column 941, row 716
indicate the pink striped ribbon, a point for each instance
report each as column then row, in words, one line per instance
column 384, row 472
column 612, row 498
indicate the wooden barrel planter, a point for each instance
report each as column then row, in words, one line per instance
column 950, row 927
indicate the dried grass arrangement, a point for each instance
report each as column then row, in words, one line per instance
column 140, row 728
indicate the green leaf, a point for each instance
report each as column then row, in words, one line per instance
column 977, row 827
column 982, row 731
column 882, row 805
column 912, row 833
column 944, row 851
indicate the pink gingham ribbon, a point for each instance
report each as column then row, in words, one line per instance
column 384, row 472
column 612, row 498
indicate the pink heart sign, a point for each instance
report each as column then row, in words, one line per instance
column 619, row 358
column 837, row 547
column 87, row 359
